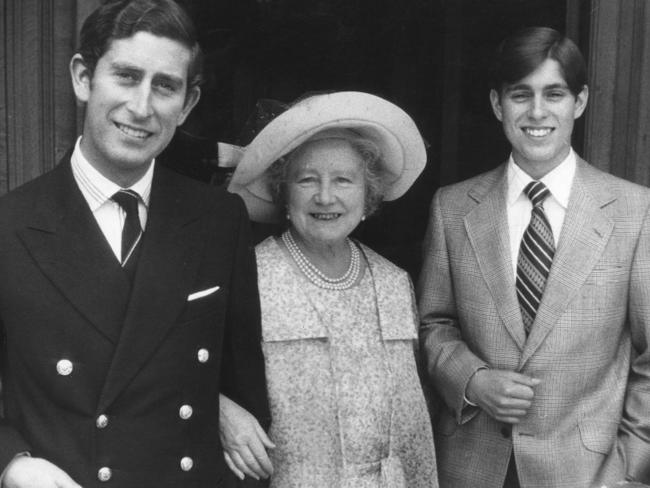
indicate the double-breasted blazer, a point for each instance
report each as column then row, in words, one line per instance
column 590, row 417
column 115, row 380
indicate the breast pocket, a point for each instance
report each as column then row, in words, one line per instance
column 605, row 290
column 607, row 272
column 202, row 307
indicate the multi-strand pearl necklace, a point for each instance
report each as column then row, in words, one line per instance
column 315, row 275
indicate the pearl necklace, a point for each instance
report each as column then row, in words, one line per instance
column 315, row 275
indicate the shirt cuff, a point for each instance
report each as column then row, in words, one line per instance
column 465, row 399
column 468, row 403
column 2, row 476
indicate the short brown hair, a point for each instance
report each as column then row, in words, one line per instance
column 522, row 53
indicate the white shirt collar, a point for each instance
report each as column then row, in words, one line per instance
column 97, row 189
column 558, row 181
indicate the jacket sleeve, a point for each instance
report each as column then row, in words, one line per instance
column 242, row 370
column 634, row 431
column 11, row 442
column 448, row 360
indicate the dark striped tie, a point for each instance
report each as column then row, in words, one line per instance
column 535, row 255
column 132, row 230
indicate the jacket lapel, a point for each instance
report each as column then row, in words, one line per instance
column 67, row 244
column 584, row 236
column 169, row 257
column 487, row 228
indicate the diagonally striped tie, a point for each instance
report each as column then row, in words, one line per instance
column 132, row 230
column 535, row 255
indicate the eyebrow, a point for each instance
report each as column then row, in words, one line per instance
column 523, row 86
column 116, row 65
column 176, row 80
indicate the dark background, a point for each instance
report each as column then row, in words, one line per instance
column 429, row 57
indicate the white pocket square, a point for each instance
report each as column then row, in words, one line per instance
column 202, row 293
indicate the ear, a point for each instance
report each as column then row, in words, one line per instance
column 495, row 101
column 581, row 102
column 81, row 78
column 191, row 99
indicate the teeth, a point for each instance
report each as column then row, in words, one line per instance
column 537, row 132
column 325, row 216
column 129, row 131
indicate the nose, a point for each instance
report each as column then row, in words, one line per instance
column 324, row 195
column 538, row 107
column 140, row 102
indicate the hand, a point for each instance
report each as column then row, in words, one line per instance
column 504, row 395
column 244, row 441
column 29, row 472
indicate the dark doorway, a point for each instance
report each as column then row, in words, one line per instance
column 427, row 56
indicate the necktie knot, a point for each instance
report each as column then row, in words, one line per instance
column 128, row 200
column 132, row 230
column 537, row 192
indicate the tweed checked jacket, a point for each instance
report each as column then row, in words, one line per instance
column 590, row 419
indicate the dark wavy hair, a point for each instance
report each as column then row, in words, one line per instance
column 121, row 19
column 523, row 52
column 278, row 172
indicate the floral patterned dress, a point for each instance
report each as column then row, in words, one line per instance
column 346, row 404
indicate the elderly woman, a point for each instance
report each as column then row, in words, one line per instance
column 338, row 320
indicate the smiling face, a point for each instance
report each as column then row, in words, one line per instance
column 135, row 99
column 537, row 114
column 325, row 192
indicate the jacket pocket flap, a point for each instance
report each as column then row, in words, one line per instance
column 598, row 435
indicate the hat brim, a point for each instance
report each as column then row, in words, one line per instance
column 394, row 132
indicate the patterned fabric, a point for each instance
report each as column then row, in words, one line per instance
column 346, row 403
column 535, row 255
column 589, row 421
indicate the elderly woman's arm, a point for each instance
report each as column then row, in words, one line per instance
column 244, row 441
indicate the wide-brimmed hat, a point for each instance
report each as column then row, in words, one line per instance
column 401, row 145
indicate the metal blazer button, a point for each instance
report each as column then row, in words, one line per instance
column 203, row 355
column 102, row 421
column 187, row 463
column 104, row 474
column 185, row 412
column 64, row 367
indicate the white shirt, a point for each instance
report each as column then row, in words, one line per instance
column 558, row 181
column 97, row 190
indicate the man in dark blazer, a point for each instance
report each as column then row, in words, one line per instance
column 124, row 316
column 535, row 297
